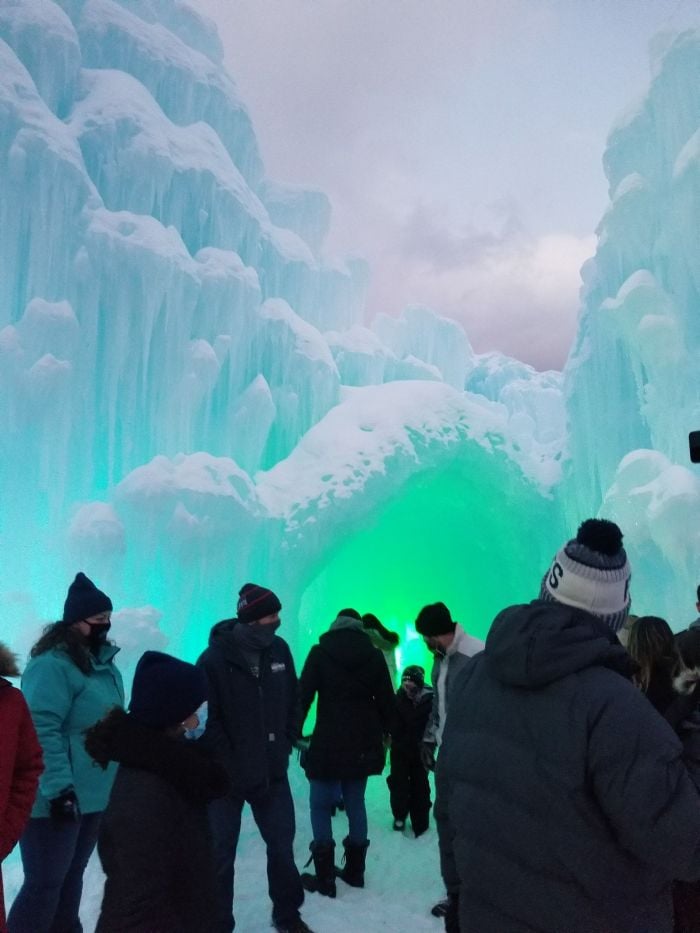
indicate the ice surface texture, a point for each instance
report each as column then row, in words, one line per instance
column 192, row 397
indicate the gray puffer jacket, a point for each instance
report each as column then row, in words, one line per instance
column 571, row 803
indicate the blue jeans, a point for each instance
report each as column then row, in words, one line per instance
column 54, row 856
column 274, row 816
column 324, row 796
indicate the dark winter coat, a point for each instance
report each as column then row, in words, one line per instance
column 20, row 763
column 569, row 796
column 154, row 836
column 409, row 722
column 253, row 721
column 355, row 705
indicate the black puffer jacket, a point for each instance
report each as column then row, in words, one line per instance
column 154, row 836
column 355, row 702
column 409, row 722
column 252, row 721
column 571, row 803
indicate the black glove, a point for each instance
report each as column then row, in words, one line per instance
column 427, row 755
column 64, row 808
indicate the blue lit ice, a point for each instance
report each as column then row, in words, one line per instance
column 192, row 395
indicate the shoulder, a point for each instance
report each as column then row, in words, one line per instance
column 315, row 653
column 11, row 699
column 206, row 656
column 467, row 644
column 281, row 645
column 54, row 664
column 214, row 655
column 612, row 702
column 378, row 659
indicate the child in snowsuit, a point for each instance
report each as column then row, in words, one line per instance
column 408, row 780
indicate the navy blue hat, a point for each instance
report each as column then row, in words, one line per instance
column 255, row 602
column 166, row 690
column 84, row 600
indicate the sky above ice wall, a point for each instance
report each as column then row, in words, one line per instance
column 460, row 141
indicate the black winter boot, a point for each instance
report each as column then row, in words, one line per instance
column 353, row 870
column 452, row 914
column 323, row 881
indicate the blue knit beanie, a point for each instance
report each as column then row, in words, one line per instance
column 166, row 690
column 84, row 600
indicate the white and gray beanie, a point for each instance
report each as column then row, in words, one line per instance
column 592, row 572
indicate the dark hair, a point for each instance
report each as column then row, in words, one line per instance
column 698, row 594
column 688, row 647
column 652, row 645
column 98, row 738
column 351, row 614
column 369, row 620
column 62, row 636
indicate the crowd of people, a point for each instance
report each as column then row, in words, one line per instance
column 566, row 752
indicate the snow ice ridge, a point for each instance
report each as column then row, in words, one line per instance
column 189, row 379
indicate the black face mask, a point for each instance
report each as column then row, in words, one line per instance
column 256, row 637
column 98, row 635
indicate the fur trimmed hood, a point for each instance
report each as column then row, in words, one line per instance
column 8, row 662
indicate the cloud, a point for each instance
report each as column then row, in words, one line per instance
column 511, row 290
column 396, row 107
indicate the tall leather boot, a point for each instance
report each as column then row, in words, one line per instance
column 353, row 870
column 323, row 881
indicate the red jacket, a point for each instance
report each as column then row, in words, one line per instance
column 20, row 764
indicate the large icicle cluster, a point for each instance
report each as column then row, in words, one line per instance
column 170, row 326
column 192, row 395
column 633, row 380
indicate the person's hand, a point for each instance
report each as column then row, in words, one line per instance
column 427, row 755
column 302, row 746
column 64, row 808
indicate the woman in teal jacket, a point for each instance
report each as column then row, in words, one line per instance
column 70, row 683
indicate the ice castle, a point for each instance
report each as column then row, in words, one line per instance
column 192, row 396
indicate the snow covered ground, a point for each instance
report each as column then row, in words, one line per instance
column 402, row 879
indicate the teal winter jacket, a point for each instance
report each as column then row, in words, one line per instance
column 64, row 702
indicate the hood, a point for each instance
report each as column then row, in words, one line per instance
column 223, row 637
column 348, row 622
column 221, row 632
column 542, row 642
column 348, row 646
column 8, row 662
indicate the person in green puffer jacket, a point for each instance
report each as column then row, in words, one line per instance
column 70, row 682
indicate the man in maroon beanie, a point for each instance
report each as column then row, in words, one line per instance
column 252, row 724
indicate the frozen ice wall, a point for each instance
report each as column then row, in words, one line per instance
column 191, row 396
column 633, row 379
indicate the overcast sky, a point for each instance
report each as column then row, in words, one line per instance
column 459, row 141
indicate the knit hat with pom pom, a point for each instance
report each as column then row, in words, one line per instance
column 592, row 572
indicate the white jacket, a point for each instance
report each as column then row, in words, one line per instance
column 445, row 670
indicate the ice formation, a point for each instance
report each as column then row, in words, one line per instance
column 192, row 396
